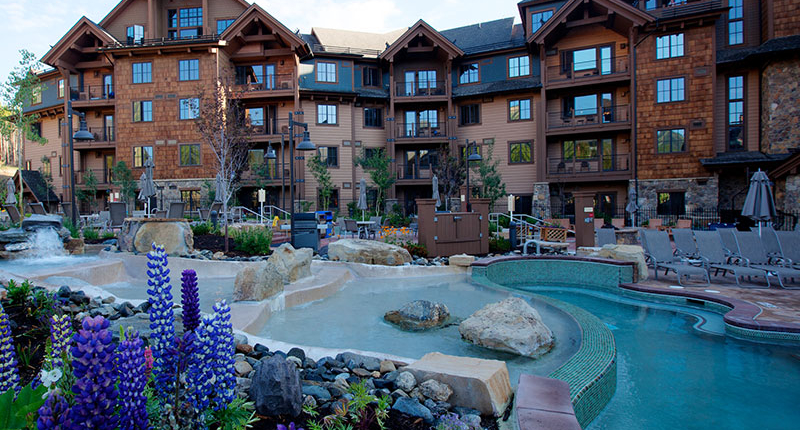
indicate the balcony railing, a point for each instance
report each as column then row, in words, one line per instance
column 92, row 92
column 686, row 9
column 421, row 88
column 605, row 163
column 345, row 50
column 414, row 171
column 102, row 134
column 413, row 130
column 102, row 176
column 602, row 116
column 257, row 173
column 271, row 83
column 163, row 41
column 601, row 68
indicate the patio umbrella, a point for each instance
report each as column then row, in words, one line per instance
column 632, row 206
column 759, row 204
column 218, row 191
column 11, row 198
column 362, row 197
column 147, row 188
column 435, row 195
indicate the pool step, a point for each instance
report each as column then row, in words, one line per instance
column 544, row 404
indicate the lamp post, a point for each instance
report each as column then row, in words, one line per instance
column 270, row 155
column 304, row 145
column 82, row 135
column 471, row 157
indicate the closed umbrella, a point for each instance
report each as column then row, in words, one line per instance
column 11, row 190
column 759, row 204
column 362, row 197
column 147, row 189
column 436, row 191
column 218, row 191
column 632, row 206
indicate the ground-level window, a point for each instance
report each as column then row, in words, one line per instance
column 735, row 112
column 671, row 203
column 330, row 154
column 191, row 198
column 333, row 200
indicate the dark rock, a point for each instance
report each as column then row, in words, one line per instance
column 280, row 354
column 143, row 307
column 297, row 352
column 110, row 242
column 319, row 393
column 126, row 310
column 276, row 388
column 362, row 373
column 369, row 363
column 338, row 370
column 311, row 376
column 391, row 376
column 419, row 315
column 353, row 380
column 329, row 362
column 462, row 411
column 309, row 363
column 260, row 348
column 64, row 291
column 79, row 298
column 414, row 408
column 382, row 383
column 328, row 376
column 336, row 390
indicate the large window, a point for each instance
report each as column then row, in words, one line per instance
column 185, row 23
column 141, row 154
column 189, row 108
column 519, row 152
column 188, row 70
column 671, row 203
column 372, row 77
column 191, row 198
column 326, row 72
column 468, row 73
column 135, row 34
column 326, row 114
column 670, row 90
column 735, row 112
column 373, row 117
column 142, row 73
column 669, row 46
column 579, row 149
column 424, row 80
column 519, row 66
column 190, row 154
column 329, row 154
column 470, row 114
column 585, row 105
column 519, row 110
column 223, row 24
column 539, row 18
column 671, row 141
column 256, row 74
column 61, row 88
column 143, row 111
column 735, row 22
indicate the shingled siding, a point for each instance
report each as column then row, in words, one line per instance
column 695, row 114
column 787, row 18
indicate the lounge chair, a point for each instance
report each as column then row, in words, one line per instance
column 373, row 229
column 351, row 226
column 206, row 213
column 605, row 236
column 659, row 250
column 729, row 241
column 684, row 243
column 618, row 222
column 13, row 213
column 161, row 213
column 709, row 246
column 770, row 241
column 683, row 223
column 654, row 223
column 790, row 246
column 37, row 208
column 752, row 251
column 176, row 210
column 118, row 211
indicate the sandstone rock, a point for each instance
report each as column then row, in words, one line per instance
column 368, row 252
column 462, row 260
column 244, row 348
column 138, row 235
column 419, row 315
column 257, row 282
column 387, row 366
column 219, row 255
column 276, row 388
column 243, row 368
column 633, row 253
column 511, row 326
column 36, row 221
column 405, row 381
column 74, row 246
column 435, row 390
column 291, row 263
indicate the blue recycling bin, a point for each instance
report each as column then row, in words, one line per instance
column 325, row 217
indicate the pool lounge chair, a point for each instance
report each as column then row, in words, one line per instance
column 729, row 241
column 709, row 246
column 37, row 208
column 118, row 211
column 770, row 241
column 659, row 250
column 605, row 236
column 684, row 243
column 13, row 213
column 176, row 210
column 789, row 242
column 752, row 251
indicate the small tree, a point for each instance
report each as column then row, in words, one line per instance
column 450, row 171
column 123, row 178
column 22, row 86
column 89, row 193
column 378, row 167
column 491, row 182
column 319, row 168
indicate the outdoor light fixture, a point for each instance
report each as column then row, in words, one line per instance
column 82, row 135
column 304, row 145
column 270, row 155
column 471, row 156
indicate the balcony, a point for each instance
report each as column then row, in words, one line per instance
column 162, row 41
column 433, row 131
column 267, row 133
column 102, row 177
column 413, row 173
column 273, row 85
column 416, row 90
column 269, row 177
column 103, row 138
column 686, row 9
column 609, row 118
column 92, row 95
column 592, row 72
column 606, row 167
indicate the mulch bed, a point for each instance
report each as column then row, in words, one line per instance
column 215, row 243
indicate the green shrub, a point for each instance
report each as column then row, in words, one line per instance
column 503, row 221
column 91, row 234
column 74, row 231
column 253, row 240
column 201, row 228
column 108, row 235
column 499, row 245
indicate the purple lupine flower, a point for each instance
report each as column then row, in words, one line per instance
column 133, row 378
column 162, row 321
column 9, row 378
column 54, row 413
column 95, row 377
column 222, row 365
column 291, row 427
column 190, row 300
column 201, row 369
column 60, row 336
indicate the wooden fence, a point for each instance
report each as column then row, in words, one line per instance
column 449, row 233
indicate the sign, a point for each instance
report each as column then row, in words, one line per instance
column 262, row 196
column 463, row 198
column 511, row 203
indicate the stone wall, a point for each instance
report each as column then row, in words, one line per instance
column 701, row 193
column 541, row 200
column 733, row 189
column 173, row 187
column 780, row 101
column 787, row 194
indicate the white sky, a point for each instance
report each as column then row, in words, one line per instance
column 35, row 25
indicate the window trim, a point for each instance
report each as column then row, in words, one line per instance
column 364, row 118
column 670, row 78
column 326, row 124
column 133, row 73
column 508, row 110
column 363, row 73
column 461, row 122
column 132, row 25
column 200, row 155
column 730, row 21
column 530, row 142
column 338, row 152
column 478, row 68
column 530, row 18
column 335, row 72
column 179, row 70
column 178, row 28
column 508, row 66
column 133, row 161
column 61, row 88
column 217, row 20
column 671, row 128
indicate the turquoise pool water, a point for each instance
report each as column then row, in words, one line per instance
column 674, row 375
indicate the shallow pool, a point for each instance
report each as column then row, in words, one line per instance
column 25, row 266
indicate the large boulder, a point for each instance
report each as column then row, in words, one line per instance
column 37, row 221
column 276, row 388
column 511, row 326
column 633, row 253
column 461, row 260
column 257, row 282
column 291, row 263
column 419, row 315
column 368, row 252
column 74, row 246
column 138, row 234
column 14, row 235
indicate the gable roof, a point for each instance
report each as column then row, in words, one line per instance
column 421, row 27
column 638, row 17
column 355, row 39
column 125, row 3
column 36, row 184
column 70, row 36
column 256, row 12
column 486, row 36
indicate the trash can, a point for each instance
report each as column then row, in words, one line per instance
column 325, row 217
column 305, row 231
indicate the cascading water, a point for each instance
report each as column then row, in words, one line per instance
column 45, row 244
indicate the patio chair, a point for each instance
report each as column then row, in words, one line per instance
column 117, row 212
column 789, row 242
column 770, row 241
column 205, row 214
column 729, row 241
column 618, row 222
column 709, row 247
column 176, row 210
column 414, row 226
column 338, row 226
column 350, row 226
column 659, row 250
column 13, row 213
column 103, row 220
column 683, row 223
column 375, row 227
column 754, row 255
column 161, row 213
column 654, row 223
column 37, row 208
column 684, row 243
column 605, row 236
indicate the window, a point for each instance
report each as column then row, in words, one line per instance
column 27, row 164
column 37, row 96
column 329, row 154
column 421, row 81
column 519, row 152
column 46, row 167
column 669, row 46
column 326, row 72
column 185, row 23
column 579, row 149
column 372, row 152
column 189, row 108
column 255, row 158
column 143, row 111
column 326, row 114
column 60, row 126
column 539, row 18
column 735, row 112
column 519, row 110
column 142, row 73
column 135, row 34
column 60, row 166
column 735, row 22
column 36, row 129
column 223, row 24
column 470, row 114
column 671, row 203
column 468, row 73
column 670, row 141
column 584, row 59
column 191, row 198
column 585, row 105
column 141, row 154
column 372, row 77
column 190, row 154
column 188, row 70
column 373, row 117
column 519, row 66
column 670, row 90
column 61, row 88
column 333, row 200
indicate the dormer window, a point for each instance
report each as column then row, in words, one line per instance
column 135, row 34
column 185, row 23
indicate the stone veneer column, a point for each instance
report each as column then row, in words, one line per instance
column 791, row 194
column 541, row 200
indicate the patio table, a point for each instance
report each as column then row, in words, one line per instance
column 363, row 228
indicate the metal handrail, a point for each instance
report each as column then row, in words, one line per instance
column 415, row 88
column 273, row 209
column 618, row 114
column 163, row 41
column 317, row 47
column 240, row 209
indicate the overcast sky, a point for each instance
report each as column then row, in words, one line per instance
column 35, row 25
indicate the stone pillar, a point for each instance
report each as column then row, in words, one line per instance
column 791, row 194
column 541, row 200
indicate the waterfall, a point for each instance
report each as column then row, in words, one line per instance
column 46, row 244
